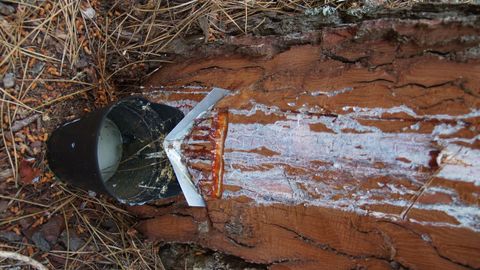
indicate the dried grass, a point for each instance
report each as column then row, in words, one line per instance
column 116, row 247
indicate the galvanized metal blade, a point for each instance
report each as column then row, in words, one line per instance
column 173, row 141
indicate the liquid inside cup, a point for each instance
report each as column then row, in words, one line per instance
column 109, row 149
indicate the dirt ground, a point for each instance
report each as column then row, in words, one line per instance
column 62, row 59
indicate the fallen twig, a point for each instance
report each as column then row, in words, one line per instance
column 19, row 124
column 25, row 259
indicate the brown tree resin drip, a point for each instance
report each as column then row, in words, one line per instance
column 219, row 135
column 203, row 150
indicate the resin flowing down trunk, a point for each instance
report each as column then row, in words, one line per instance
column 356, row 146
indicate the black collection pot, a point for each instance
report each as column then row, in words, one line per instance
column 118, row 150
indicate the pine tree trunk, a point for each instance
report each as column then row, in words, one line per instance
column 347, row 147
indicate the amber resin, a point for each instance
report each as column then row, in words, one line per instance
column 203, row 152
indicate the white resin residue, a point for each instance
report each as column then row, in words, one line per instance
column 460, row 163
column 289, row 162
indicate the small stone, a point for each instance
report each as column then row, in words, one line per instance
column 37, row 68
column 10, row 236
column 9, row 80
column 40, row 241
column 6, row 9
column 73, row 242
column 52, row 229
column 89, row 13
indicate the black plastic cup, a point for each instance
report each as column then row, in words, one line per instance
column 118, row 150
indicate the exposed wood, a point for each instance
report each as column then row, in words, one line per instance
column 357, row 147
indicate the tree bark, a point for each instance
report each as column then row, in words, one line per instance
column 347, row 147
